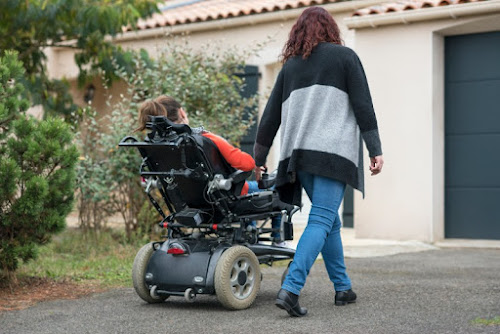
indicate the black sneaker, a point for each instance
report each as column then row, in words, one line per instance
column 345, row 297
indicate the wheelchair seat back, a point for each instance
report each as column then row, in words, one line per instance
column 200, row 188
column 184, row 163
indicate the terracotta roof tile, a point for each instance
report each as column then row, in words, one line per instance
column 177, row 12
column 406, row 5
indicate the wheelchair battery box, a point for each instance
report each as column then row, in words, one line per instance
column 190, row 217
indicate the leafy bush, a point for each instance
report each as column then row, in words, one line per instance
column 205, row 83
column 93, row 181
column 33, row 27
column 126, row 195
column 37, row 172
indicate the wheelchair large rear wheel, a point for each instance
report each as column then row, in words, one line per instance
column 237, row 278
column 138, row 272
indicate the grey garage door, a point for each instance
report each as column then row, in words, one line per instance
column 472, row 136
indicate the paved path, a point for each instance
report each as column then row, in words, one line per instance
column 436, row 291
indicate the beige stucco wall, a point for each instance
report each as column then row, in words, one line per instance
column 405, row 69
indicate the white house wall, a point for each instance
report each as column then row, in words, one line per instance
column 405, row 69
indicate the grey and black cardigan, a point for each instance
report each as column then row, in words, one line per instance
column 324, row 107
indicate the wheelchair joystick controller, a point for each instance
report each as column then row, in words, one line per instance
column 267, row 180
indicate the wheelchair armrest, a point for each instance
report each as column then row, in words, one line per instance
column 239, row 176
column 125, row 140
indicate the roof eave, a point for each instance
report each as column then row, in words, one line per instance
column 277, row 16
column 424, row 14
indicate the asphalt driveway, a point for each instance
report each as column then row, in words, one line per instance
column 437, row 291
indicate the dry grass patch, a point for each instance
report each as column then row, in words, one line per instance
column 30, row 290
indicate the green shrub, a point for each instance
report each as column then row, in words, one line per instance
column 93, row 182
column 206, row 83
column 37, row 172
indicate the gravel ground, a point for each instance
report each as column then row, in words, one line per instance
column 437, row 291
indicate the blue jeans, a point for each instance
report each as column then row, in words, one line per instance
column 253, row 187
column 322, row 234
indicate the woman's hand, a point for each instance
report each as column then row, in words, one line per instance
column 258, row 172
column 376, row 164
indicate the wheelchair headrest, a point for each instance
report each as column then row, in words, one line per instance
column 162, row 127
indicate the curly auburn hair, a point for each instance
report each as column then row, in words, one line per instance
column 314, row 25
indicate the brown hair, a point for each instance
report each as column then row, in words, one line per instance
column 314, row 25
column 171, row 106
column 149, row 108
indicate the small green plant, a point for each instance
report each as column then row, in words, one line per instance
column 37, row 172
column 93, row 181
column 126, row 193
column 108, row 179
column 488, row 322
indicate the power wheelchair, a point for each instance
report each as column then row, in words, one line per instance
column 215, row 238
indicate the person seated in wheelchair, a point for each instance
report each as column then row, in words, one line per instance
column 172, row 109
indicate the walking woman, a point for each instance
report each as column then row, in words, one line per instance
column 322, row 101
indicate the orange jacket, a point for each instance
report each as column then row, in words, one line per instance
column 234, row 156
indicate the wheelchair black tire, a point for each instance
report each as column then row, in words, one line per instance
column 138, row 270
column 237, row 278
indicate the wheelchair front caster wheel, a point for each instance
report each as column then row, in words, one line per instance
column 190, row 295
column 153, row 294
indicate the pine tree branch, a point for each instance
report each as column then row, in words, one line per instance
column 5, row 121
column 54, row 166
